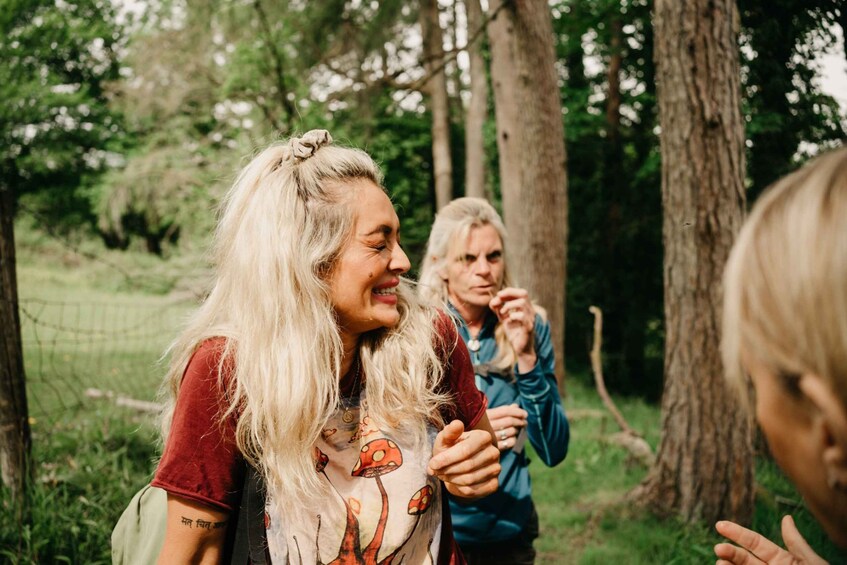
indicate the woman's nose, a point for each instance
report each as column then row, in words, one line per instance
column 482, row 266
column 399, row 261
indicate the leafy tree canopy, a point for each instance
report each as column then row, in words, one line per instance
column 57, row 129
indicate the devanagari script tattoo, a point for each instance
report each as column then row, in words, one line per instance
column 201, row 523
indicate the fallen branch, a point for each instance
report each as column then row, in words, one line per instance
column 121, row 400
column 627, row 438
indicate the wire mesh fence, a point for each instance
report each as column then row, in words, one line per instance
column 76, row 351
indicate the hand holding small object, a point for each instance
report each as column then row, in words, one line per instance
column 507, row 421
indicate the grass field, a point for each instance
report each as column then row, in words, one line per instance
column 90, row 456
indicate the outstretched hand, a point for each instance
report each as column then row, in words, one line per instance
column 465, row 461
column 753, row 548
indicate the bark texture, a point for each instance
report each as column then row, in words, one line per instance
column 704, row 466
column 477, row 108
column 433, row 51
column 531, row 148
column 15, row 442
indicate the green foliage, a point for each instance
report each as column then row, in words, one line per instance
column 784, row 107
column 169, row 106
column 403, row 147
column 56, row 126
column 614, row 190
column 60, row 265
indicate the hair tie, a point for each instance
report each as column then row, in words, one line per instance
column 304, row 147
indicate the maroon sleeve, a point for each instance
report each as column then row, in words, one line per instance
column 469, row 403
column 201, row 461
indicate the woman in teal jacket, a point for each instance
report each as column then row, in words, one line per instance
column 509, row 340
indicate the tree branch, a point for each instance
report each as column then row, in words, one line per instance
column 629, row 438
column 276, row 58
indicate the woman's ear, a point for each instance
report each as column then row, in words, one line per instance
column 833, row 420
column 442, row 272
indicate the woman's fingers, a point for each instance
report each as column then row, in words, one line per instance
column 507, row 422
column 507, row 444
column 734, row 555
column 506, row 410
column 478, row 490
column 796, row 543
column 512, row 303
column 463, row 452
column 470, row 467
column 753, row 547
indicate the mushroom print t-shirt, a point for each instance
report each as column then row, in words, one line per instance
column 382, row 507
column 379, row 506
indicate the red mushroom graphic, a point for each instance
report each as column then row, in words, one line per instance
column 350, row 545
column 418, row 504
column 420, row 501
column 321, row 461
column 377, row 458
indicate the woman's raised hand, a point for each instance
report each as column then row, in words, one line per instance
column 517, row 315
column 465, row 461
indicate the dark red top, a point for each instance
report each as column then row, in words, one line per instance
column 201, row 461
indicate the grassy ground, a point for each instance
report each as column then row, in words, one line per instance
column 91, row 456
column 586, row 519
column 97, row 323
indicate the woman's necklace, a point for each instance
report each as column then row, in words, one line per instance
column 349, row 415
column 473, row 342
column 473, row 346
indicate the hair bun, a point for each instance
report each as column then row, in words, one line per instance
column 304, row 147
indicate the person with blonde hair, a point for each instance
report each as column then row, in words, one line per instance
column 313, row 361
column 785, row 333
column 466, row 268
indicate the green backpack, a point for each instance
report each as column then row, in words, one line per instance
column 140, row 532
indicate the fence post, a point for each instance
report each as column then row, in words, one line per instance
column 15, row 438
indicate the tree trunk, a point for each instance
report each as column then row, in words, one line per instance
column 613, row 98
column 626, row 326
column 704, row 467
column 531, row 144
column 433, row 51
column 477, row 108
column 454, row 71
column 15, row 441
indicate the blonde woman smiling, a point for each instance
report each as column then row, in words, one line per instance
column 312, row 361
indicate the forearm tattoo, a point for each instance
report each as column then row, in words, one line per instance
column 202, row 524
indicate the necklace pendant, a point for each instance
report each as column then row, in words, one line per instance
column 347, row 417
column 473, row 345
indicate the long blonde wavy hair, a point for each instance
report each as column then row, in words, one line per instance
column 282, row 227
column 447, row 241
column 785, row 284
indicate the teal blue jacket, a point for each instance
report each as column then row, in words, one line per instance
column 504, row 514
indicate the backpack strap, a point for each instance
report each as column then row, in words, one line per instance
column 250, row 536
